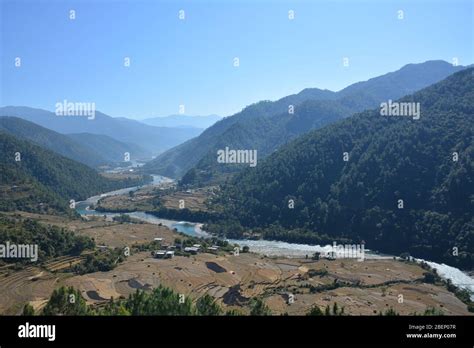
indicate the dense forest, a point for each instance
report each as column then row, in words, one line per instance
column 399, row 184
column 266, row 125
column 50, row 140
column 160, row 301
column 52, row 241
column 36, row 179
column 268, row 130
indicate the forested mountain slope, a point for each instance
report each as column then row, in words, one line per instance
column 176, row 161
column 153, row 139
column 266, row 125
column 46, row 138
column 36, row 179
column 425, row 165
column 109, row 148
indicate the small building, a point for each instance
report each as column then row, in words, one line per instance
column 169, row 254
column 160, row 254
column 198, row 246
column 192, row 250
column 158, row 239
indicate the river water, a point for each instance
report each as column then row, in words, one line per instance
column 264, row 247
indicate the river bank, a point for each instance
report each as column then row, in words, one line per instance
column 263, row 247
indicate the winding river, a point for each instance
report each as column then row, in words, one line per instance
column 264, row 247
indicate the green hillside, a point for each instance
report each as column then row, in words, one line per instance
column 109, row 148
column 43, row 181
column 267, row 125
column 51, row 140
column 390, row 159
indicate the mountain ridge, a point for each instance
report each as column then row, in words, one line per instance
column 389, row 159
column 178, row 120
column 153, row 139
column 277, row 125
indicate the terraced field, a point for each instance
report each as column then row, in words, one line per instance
column 363, row 288
column 142, row 200
column 250, row 275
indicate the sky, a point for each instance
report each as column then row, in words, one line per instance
column 191, row 62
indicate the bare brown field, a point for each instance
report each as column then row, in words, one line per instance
column 193, row 199
column 63, row 221
column 142, row 200
column 122, row 235
column 249, row 275
column 120, row 176
column 112, row 234
column 32, row 284
column 366, row 288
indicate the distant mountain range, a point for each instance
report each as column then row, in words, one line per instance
column 183, row 121
column 399, row 184
column 107, row 147
column 266, row 125
column 91, row 149
column 153, row 139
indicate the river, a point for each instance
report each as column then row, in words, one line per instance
column 264, row 247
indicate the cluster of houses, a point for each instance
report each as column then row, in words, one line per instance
column 163, row 254
column 167, row 251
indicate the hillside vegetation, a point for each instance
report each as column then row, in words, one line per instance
column 36, row 179
column 267, row 125
column 392, row 161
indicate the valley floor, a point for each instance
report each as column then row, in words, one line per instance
column 366, row 288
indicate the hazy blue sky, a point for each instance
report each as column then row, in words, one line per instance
column 190, row 61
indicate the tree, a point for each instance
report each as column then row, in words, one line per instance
column 66, row 301
column 335, row 310
column 327, row 310
column 161, row 301
column 206, row 305
column 433, row 311
column 315, row 311
column 258, row 307
column 429, row 277
column 114, row 308
column 389, row 312
column 28, row 310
